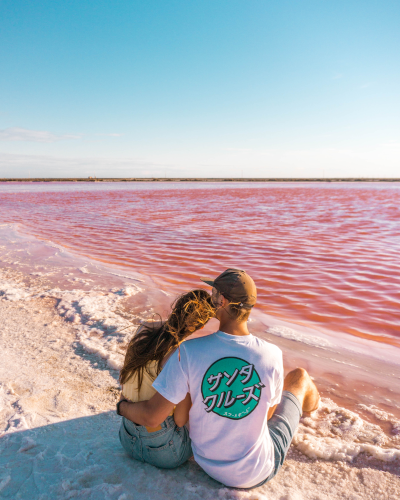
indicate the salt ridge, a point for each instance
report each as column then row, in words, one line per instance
column 100, row 330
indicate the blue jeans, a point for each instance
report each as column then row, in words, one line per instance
column 282, row 426
column 166, row 448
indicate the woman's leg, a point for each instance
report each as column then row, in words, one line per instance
column 130, row 439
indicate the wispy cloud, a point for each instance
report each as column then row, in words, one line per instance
column 19, row 165
column 26, row 135
column 337, row 76
column 13, row 134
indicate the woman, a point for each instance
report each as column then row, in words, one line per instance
column 167, row 445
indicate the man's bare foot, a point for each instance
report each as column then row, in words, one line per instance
column 311, row 403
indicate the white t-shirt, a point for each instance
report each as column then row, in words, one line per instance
column 233, row 381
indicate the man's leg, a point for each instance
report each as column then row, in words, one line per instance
column 299, row 394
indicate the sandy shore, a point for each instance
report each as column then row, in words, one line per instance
column 59, row 437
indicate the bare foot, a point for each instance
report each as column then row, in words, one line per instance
column 311, row 402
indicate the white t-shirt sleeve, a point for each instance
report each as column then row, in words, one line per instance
column 172, row 382
column 278, row 382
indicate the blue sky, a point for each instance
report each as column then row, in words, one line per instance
column 199, row 88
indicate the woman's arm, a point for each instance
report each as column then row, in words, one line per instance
column 181, row 412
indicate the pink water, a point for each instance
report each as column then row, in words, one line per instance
column 325, row 255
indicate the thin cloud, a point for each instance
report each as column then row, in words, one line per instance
column 53, row 166
column 337, row 76
column 12, row 134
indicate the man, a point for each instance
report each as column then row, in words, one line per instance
column 241, row 423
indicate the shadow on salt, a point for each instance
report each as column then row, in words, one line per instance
column 83, row 457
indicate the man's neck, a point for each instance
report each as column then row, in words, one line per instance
column 232, row 327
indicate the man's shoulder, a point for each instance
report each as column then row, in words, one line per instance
column 206, row 342
column 267, row 345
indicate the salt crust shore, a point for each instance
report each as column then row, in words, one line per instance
column 58, row 429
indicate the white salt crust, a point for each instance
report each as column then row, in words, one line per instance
column 100, row 330
column 335, row 433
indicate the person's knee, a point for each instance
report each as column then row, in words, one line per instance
column 297, row 375
column 301, row 372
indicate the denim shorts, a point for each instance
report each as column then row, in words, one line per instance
column 282, row 426
column 167, row 448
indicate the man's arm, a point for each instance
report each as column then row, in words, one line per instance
column 181, row 412
column 150, row 413
column 271, row 411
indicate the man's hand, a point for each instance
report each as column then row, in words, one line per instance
column 150, row 413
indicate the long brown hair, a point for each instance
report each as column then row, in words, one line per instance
column 190, row 312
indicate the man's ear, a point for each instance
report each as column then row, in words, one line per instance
column 225, row 301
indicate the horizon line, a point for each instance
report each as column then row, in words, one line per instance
column 200, row 179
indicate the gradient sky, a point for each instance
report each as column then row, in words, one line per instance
column 202, row 88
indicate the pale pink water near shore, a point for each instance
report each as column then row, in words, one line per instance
column 324, row 257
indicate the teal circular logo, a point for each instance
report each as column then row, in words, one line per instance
column 231, row 388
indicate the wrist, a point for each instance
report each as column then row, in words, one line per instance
column 120, row 407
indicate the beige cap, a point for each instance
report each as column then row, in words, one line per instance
column 236, row 286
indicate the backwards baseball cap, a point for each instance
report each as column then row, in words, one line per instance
column 236, row 286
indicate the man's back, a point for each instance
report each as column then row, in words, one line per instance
column 233, row 381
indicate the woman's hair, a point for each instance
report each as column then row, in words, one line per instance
column 190, row 312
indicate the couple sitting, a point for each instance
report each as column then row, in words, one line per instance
column 229, row 386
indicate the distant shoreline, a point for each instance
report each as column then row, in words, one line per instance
column 196, row 179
